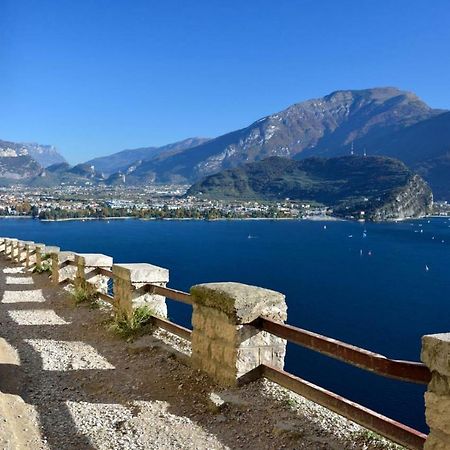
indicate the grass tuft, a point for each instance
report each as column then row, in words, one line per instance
column 137, row 325
column 81, row 295
column 45, row 267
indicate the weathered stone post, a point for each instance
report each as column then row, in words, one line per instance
column 46, row 255
column 224, row 345
column 128, row 278
column 22, row 258
column 30, row 254
column 88, row 262
column 20, row 244
column 8, row 243
column 436, row 355
column 39, row 253
column 2, row 244
column 14, row 249
column 63, row 273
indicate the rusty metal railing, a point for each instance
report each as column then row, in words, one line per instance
column 364, row 359
column 391, row 429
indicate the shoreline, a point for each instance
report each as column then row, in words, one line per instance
column 83, row 219
column 322, row 218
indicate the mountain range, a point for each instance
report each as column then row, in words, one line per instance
column 126, row 159
column 379, row 121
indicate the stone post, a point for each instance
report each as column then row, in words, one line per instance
column 8, row 243
column 2, row 244
column 22, row 258
column 63, row 273
column 224, row 345
column 87, row 262
column 14, row 246
column 18, row 255
column 46, row 254
column 20, row 246
column 436, row 355
column 30, row 254
column 128, row 278
column 39, row 249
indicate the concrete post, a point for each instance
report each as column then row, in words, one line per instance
column 87, row 262
column 436, row 355
column 224, row 345
column 128, row 278
column 64, row 273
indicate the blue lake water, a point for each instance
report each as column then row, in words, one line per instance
column 371, row 289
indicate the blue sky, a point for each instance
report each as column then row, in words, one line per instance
column 96, row 76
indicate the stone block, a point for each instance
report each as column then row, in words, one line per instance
column 141, row 273
column 437, row 411
column 437, row 441
column 436, row 352
column 216, row 351
column 94, row 260
column 200, row 344
column 240, row 302
column 198, row 321
column 439, row 384
column 48, row 249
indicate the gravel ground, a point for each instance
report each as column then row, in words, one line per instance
column 85, row 388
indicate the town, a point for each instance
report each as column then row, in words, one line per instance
column 151, row 202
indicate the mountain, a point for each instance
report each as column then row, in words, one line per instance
column 384, row 188
column 325, row 126
column 425, row 147
column 120, row 162
column 45, row 155
column 63, row 173
column 16, row 169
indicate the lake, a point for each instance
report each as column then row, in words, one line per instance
column 365, row 284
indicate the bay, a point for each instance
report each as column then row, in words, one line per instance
column 363, row 283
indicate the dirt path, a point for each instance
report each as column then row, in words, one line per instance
column 66, row 382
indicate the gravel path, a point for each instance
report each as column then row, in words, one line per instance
column 71, row 384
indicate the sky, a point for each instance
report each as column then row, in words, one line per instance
column 94, row 77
